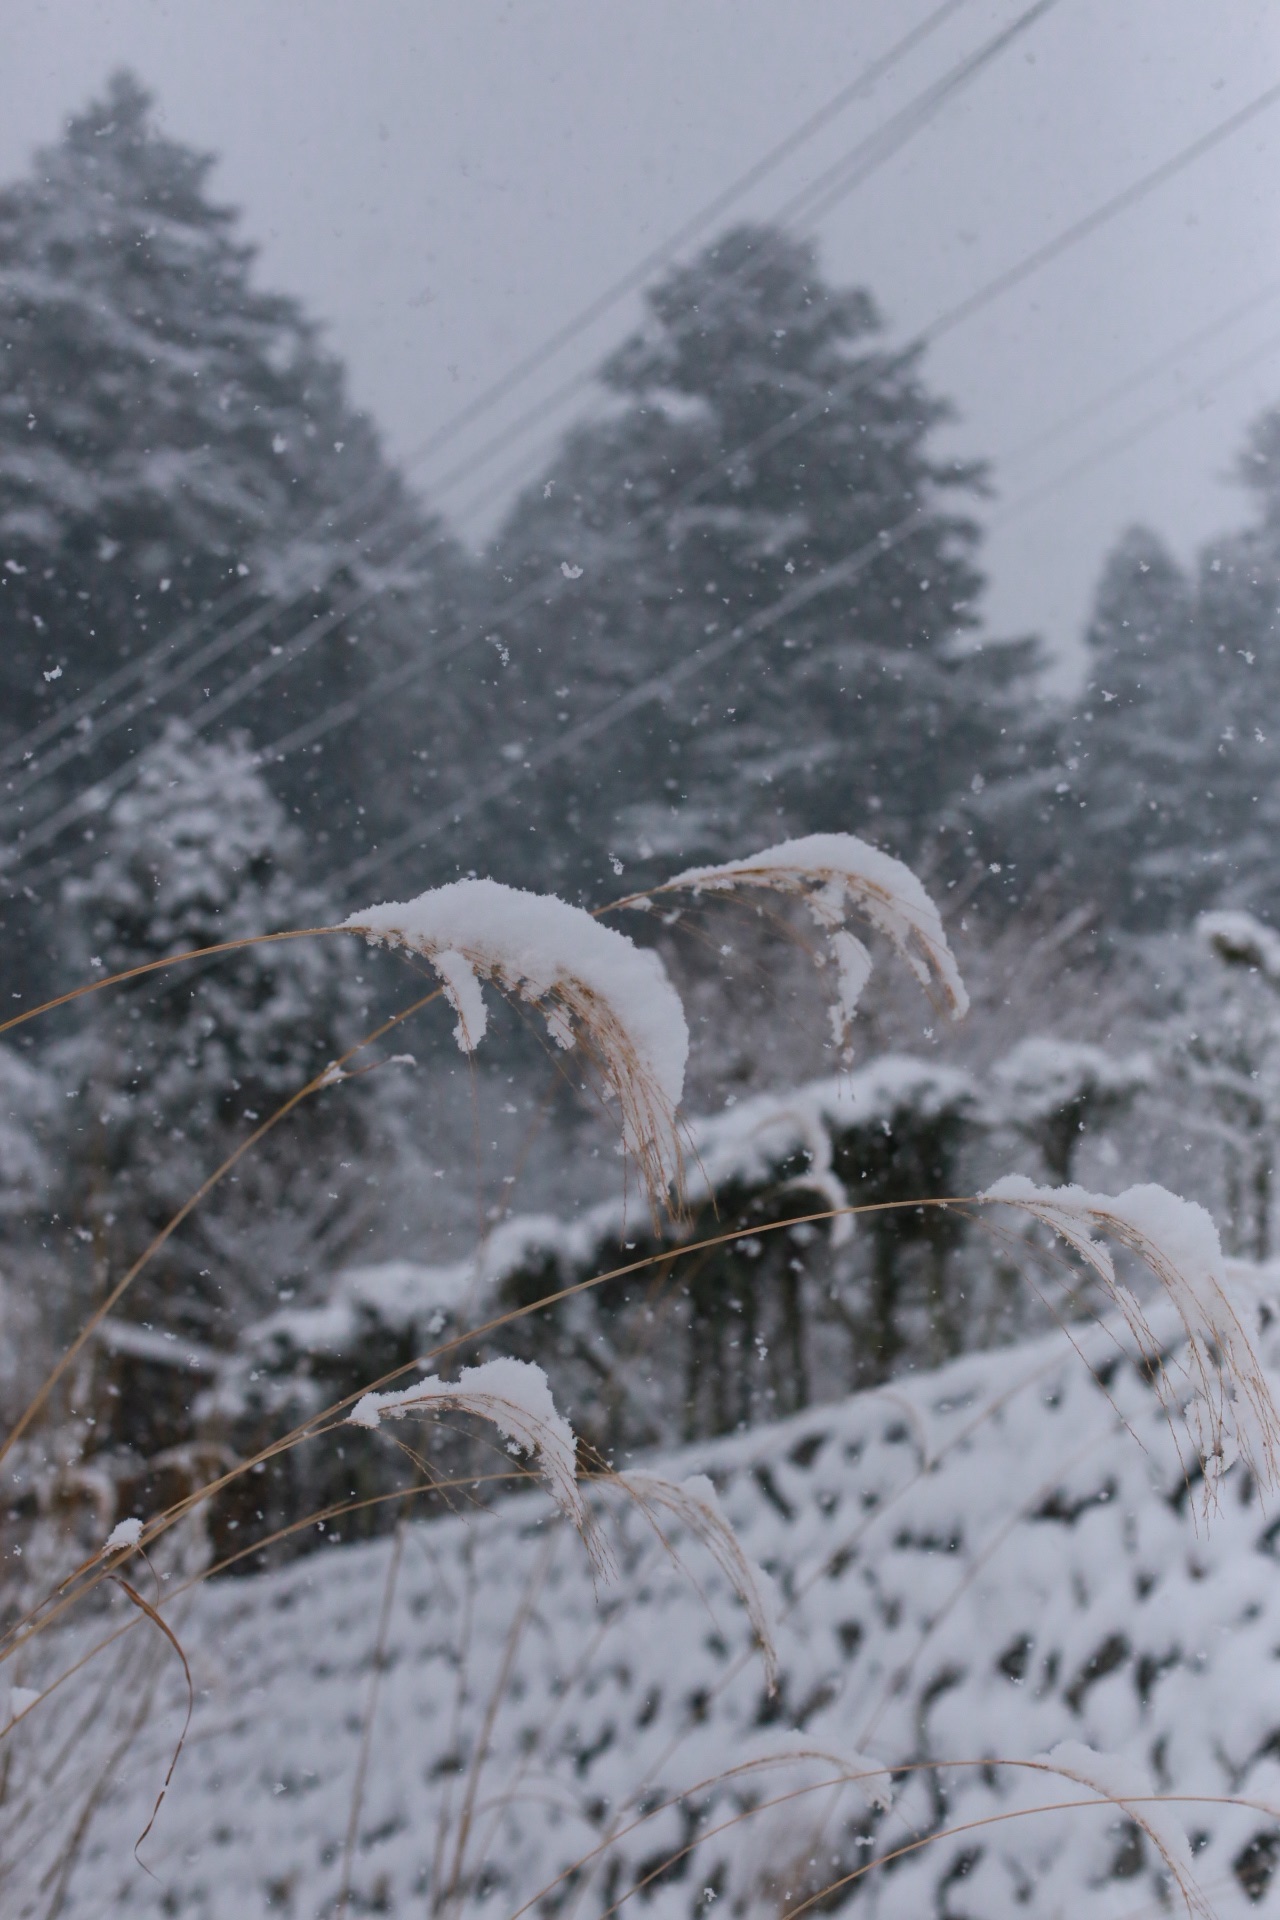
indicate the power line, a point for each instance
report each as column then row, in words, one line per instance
column 974, row 303
column 74, row 711
column 699, row 223
column 124, row 676
column 1171, row 356
column 1012, row 277
column 843, row 574
column 955, row 316
column 814, row 199
column 1069, row 422
column 343, row 712
column 963, row 310
column 819, row 196
column 1150, row 423
column 869, row 153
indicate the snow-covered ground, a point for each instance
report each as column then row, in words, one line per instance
column 972, row 1566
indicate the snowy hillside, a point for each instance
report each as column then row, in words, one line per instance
column 972, row 1565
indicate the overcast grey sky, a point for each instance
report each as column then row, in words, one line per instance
column 444, row 182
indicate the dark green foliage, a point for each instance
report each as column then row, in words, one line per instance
column 1161, row 797
column 758, row 440
column 164, row 1076
column 181, row 470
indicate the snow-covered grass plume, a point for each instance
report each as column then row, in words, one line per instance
column 513, row 1396
column 1117, row 1784
column 591, row 984
column 799, row 1797
column 1232, row 1411
column 694, row 1505
column 836, row 874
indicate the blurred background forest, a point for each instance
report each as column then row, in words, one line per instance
column 252, row 679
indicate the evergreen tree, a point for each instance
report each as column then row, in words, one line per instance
column 1130, row 755
column 1238, row 614
column 1164, row 797
column 759, row 439
column 179, row 459
column 166, row 1075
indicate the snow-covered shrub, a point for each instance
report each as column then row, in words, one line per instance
column 161, row 1081
column 780, row 1310
column 1053, row 1091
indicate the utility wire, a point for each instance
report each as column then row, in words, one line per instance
column 819, row 196
column 1068, row 423
column 125, row 675
column 849, row 171
column 955, row 316
column 974, row 303
column 1003, row 283
column 699, row 223
column 72, row 712
column 807, row 206
column 963, row 310
column 1150, row 423
column 843, row 574
column 870, row 153
column 799, row 597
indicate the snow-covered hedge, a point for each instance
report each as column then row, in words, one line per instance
column 985, row 1561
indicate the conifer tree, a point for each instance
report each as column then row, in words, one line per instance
column 1164, row 799
column 761, row 437
column 178, row 455
column 1130, row 753
column 1238, row 613
column 165, row 1075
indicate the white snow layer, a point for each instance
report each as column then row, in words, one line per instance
column 125, row 1533
column 835, row 873
column 1032, row 1572
column 590, row 982
column 1238, row 937
column 1042, row 1073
